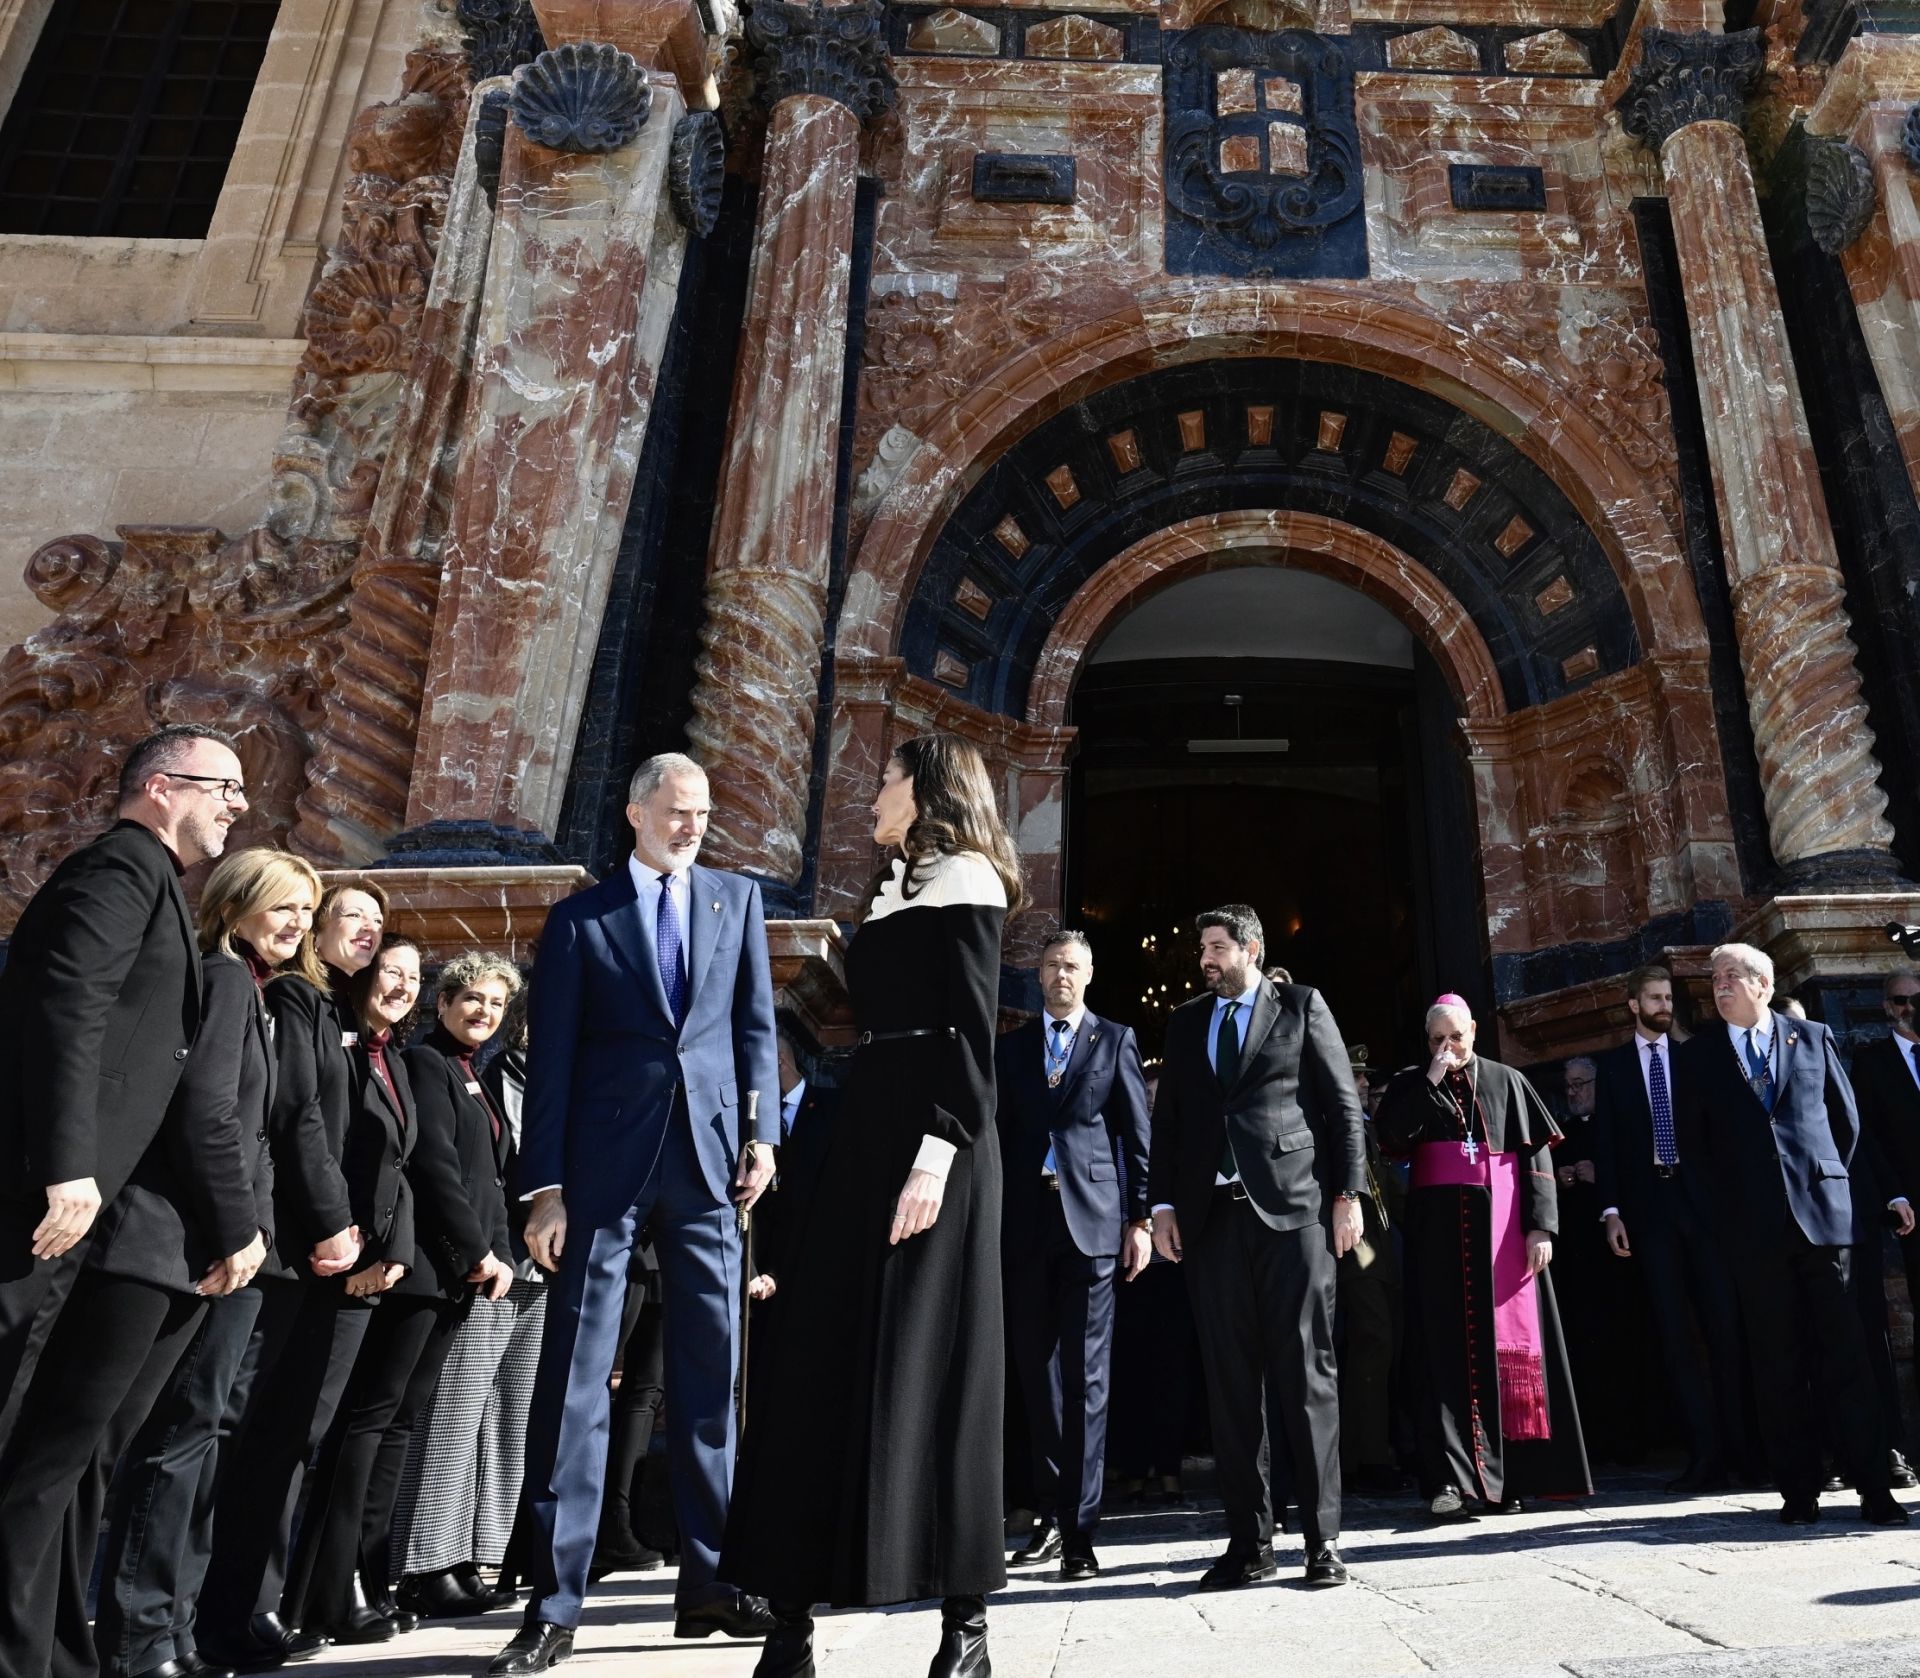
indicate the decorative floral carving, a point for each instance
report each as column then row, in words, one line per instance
column 697, row 171
column 359, row 317
column 585, row 96
column 836, row 52
column 1684, row 79
column 1840, row 195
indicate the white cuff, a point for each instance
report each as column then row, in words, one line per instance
column 1164, row 1206
column 1898, row 1200
column 1610, row 1212
column 935, row 1157
column 539, row 1191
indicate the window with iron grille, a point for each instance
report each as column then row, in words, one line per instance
column 128, row 114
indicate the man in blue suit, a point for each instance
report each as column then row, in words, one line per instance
column 652, row 1098
column 1073, row 1139
column 1766, row 1110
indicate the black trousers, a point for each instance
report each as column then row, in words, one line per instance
column 343, row 1534
column 1867, row 1276
column 1263, row 1303
column 1687, row 1286
column 31, row 1293
column 1059, row 1312
column 1803, row 1334
column 636, row 1402
column 1155, row 1357
column 296, row 1369
column 160, row 1521
column 107, row 1357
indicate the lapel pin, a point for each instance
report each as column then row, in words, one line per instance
column 716, row 908
column 1793, row 1037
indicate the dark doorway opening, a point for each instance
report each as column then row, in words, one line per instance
column 1352, row 841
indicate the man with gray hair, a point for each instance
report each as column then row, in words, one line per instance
column 652, row 1097
column 1765, row 1108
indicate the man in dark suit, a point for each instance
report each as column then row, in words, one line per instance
column 1655, row 1212
column 99, row 1006
column 1073, row 1146
column 1886, row 1078
column 1257, row 1167
column 1766, row 1110
column 651, row 1099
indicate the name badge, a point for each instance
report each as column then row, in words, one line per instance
column 348, row 1039
column 473, row 1086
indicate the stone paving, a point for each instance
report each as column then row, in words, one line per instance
column 1631, row 1584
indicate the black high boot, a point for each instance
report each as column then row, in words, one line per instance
column 963, row 1639
column 788, row 1652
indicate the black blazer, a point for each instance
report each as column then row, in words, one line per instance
column 779, row 1217
column 205, row 1187
column 1889, row 1102
column 1622, row 1136
column 457, row 1170
column 99, row 1004
column 1797, row 1165
column 1096, row 1120
column 506, row 1080
column 1293, row 1111
column 380, row 1144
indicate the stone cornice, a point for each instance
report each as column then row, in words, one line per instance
column 834, row 52
column 1684, row 79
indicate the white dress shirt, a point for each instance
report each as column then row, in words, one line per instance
column 1644, row 1045
column 1762, row 1034
column 1244, row 1003
column 790, row 1107
column 646, row 886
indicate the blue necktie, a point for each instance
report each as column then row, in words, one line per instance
column 666, row 944
column 1760, row 1073
column 1665, row 1149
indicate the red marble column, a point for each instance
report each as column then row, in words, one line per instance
column 1818, row 775
column 823, row 70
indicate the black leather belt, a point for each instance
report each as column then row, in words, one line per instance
column 867, row 1037
column 1664, row 1171
column 1051, row 1179
column 1236, row 1190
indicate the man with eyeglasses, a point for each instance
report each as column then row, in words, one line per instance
column 1886, row 1079
column 99, row 1006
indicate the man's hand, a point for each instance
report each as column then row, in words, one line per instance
column 492, row 1277
column 1539, row 1251
column 761, row 1287
column 1136, row 1249
column 547, row 1229
column 337, row 1254
column 918, row 1206
column 1166, row 1234
column 1583, row 1171
column 1902, row 1211
column 1349, row 1224
column 1617, row 1236
column 235, row 1271
column 755, row 1173
column 1441, row 1064
column 376, row 1278
column 71, row 1209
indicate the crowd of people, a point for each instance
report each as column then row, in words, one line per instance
column 313, row 1292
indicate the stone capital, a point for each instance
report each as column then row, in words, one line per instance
column 834, row 52
column 1684, row 79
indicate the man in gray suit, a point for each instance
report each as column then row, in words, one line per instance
column 1257, row 1165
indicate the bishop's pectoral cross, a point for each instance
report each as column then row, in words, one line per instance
column 1471, row 1149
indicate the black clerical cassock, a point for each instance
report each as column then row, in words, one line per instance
column 1497, row 1413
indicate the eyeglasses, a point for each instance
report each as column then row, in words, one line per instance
column 234, row 792
column 1905, row 998
column 1579, row 1083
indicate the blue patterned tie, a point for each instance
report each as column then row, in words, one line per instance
column 1665, row 1149
column 666, row 944
column 1761, row 1072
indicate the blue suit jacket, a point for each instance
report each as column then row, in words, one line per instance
column 1097, row 1121
column 604, row 1059
column 1799, row 1154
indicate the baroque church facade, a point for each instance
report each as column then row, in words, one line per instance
column 1441, row 470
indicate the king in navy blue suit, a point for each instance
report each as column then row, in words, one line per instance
column 652, row 1098
column 1073, row 1141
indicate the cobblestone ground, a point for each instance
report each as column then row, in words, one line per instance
column 1629, row 1585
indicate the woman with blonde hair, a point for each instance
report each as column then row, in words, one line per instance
column 889, row 1321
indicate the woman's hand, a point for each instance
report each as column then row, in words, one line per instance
column 376, row 1278
column 918, row 1206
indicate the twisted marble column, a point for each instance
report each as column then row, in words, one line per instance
column 1818, row 775
column 823, row 71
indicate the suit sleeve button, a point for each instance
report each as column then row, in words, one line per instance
column 179, row 1054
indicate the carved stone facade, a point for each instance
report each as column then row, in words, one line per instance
column 775, row 382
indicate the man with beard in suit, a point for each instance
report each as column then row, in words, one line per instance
column 1257, row 1167
column 1769, row 1114
column 1886, row 1079
column 1073, row 1143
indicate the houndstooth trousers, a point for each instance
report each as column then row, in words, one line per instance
column 461, row 1484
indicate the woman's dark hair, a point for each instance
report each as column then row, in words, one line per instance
column 359, row 988
column 955, row 810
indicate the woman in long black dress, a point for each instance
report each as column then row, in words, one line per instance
column 889, row 1334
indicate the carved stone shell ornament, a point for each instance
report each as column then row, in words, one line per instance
column 585, row 96
column 1910, row 137
column 697, row 171
column 360, row 319
column 1840, row 194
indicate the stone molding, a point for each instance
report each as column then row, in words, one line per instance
column 1683, row 79
column 1840, row 193
column 831, row 52
column 585, row 96
column 95, row 361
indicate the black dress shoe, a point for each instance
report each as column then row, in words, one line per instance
column 196, row 1666
column 276, row 1637
column 1449, row 1505
column 1834, row 1484
column 1509, row 1505
column 1043, row 1546
column 1324, row 1566
column 538, row 1647
column 1900, row 1474
column 1079, row 1562
column 734, row 1614
column 438, row 1596
column 504, row 1593
column 1799, row 1511
column 622, row 1553
column 362, row 1625
column 789, row 1647
column 1878, row 1509
column 1239, row 1567
column 169, row 1669
column 963, row 1640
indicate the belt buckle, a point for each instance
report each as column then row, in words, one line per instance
column 1237, row 1189
column 1051, row 1179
